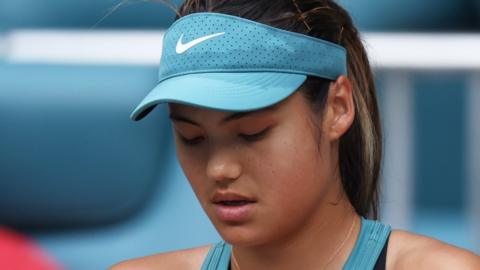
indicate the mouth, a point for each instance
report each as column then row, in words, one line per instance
column 233, row 207
column 230, row 198
column 234, row 211
column 234, row 203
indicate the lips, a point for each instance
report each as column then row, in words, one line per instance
column 230, row 198
column 233, row 207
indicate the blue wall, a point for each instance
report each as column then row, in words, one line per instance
column 371, row 15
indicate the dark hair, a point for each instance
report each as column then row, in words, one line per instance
column 360, row 148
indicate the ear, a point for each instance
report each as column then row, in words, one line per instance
column 340, row 109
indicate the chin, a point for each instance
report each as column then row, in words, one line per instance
column 245, row 235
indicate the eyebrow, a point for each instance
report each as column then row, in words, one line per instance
column 234, row 116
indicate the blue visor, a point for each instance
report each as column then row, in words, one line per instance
column 224, row 62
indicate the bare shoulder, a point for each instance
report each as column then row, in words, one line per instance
column 413, row 251
column 186, row 259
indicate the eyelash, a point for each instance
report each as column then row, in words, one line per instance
column 247, row 137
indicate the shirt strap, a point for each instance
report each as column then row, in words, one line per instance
column 367, row 249
column 218, row 257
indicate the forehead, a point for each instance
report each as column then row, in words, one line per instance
column 291, row 106
column 186, row 113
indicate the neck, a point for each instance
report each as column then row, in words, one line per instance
column 324, row 242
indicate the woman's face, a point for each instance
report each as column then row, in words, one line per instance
column 272, row 158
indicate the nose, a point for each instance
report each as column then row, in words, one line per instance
column 223, row 166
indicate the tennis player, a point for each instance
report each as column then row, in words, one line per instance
column 277, row 129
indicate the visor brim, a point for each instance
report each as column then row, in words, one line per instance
column 222, row 91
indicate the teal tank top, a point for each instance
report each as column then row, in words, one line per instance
column 372, row 238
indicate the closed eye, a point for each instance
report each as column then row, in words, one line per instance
column 256, row 136
column 193, row 141
column 248, row 137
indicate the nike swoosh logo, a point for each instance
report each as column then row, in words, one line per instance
column 181, row 48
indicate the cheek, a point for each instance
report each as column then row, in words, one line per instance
column 293, row 174
column 193, row 168
column 301, row 168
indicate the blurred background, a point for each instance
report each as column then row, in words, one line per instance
column 89, row 187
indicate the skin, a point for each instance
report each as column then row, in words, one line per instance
column 302, row 215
